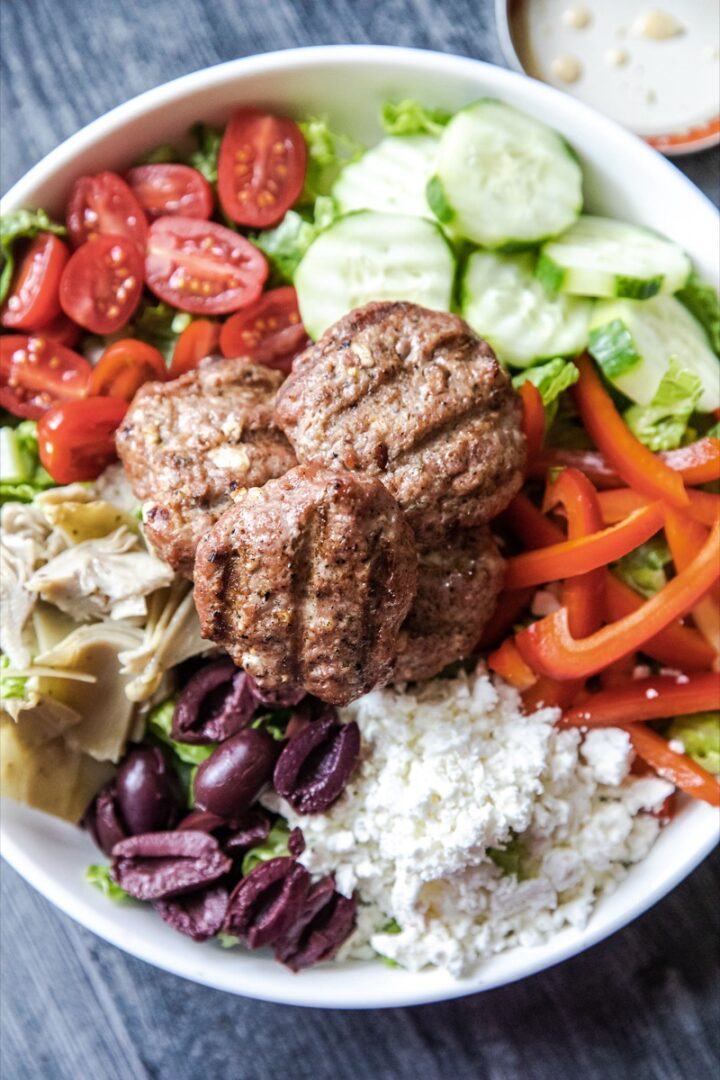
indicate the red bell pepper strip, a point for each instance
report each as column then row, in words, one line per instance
column 685, row 539
column 509, row 608
column 572, row 557
column 550, row 649
column 530, row 524
column 639, row 467
column 509, row 664
column 678, row 769
column 697, row 463
column 620, row 502
column 647, row 699
column 677, row 645
column 590, row 462
column 533, row 420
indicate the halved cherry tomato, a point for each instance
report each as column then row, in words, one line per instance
column 261, row 168
column 202, row 267
column 104, row 205
column 124, row 367
column 101, row 285
column 76, row 440
column 36, row 372
column 34, row 299
column 171, row 189
column 62, row 330
column 198, row 340
column 270, row 332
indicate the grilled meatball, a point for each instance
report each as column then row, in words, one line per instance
column 305, row 582
column 415, row 398
column 458, row 585
column 189, row 444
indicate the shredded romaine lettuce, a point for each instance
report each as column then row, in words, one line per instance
column 661, row 425
column 285, row 245
column 411, row 118
column 164, row 154
column 99, row 876
column 700, row 735
column 702, row 300
column 274, row 846
column 21, row 474
column 551, row 379
column 160, row 325
column 159, row 723
column 644, row 568
column 20, row 225
column 204, row 157
column 11, row 686
column 327, row 153
column 508, row 858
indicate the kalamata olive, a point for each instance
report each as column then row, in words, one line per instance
column 102, row 819
column 316, row 763
column 158, row 865
column 233, row 776
column 218, row 701
column 148, row 791
column 267, row 902
column 326, row 921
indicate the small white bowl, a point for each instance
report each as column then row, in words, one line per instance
column 348, row 84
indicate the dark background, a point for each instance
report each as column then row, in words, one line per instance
column 644, row 1005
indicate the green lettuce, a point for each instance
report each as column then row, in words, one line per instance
column 164, row 154
column 204, row 157
column 11, row 686
column 702, row 300
column 159, row 723
column 285, row 245
column 274, row 846
column 160, row 325
column 327, row 153
column 700, row 735
column 20, row 225
column 644, row 568
column 551, row 379
column 99, row 876
column 508, row 857
column 662, row 424
column 21, row 474
column 411, row 118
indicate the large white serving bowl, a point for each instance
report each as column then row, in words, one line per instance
column 625, row 179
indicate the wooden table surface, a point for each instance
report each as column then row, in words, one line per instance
column 643, row 1005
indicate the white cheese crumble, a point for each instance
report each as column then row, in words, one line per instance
column 450, row 770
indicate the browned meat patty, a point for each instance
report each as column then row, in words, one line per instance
column 305, row 582
column 415, row 398
column 458, row 586
column 190, row 444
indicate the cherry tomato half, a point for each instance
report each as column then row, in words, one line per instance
column 101, row 285
column 171, row 189
column 36, row 372
column 124, row 367
column 198, row 340
column 104, row 205
column 270, row 331
column 34, row 299
column 76, row 440
column 202, row 267
column 62, row 330
column 261, row 168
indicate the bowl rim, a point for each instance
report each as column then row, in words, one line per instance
column 292, row 990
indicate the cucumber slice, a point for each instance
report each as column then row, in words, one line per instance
column 503, row 178
column 505, row 303
column 601, row 257
column 372, row 256
column 13, row 462
column 391, row 177
column 634, row 340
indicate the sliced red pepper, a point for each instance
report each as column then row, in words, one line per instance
column 509, row 664
column 639, row 467
column 533, row 421
column 647, row 699
column 697, row 463
column 685, row 539
column 550, row 649
column 678, row 769
column 530, row 524
column 572, row 557
column 590, row 462
column 677, row 645
column 509, row 608
column 620, row 502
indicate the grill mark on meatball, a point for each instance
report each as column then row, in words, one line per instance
column 377, row 569
column 301, row 566
column 435, row 434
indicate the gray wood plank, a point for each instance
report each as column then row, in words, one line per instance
column 643, row 1005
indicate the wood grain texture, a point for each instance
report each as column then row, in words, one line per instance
column 643, row 1005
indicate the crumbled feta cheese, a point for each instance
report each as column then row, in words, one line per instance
column 677, row 746
column 449, row 770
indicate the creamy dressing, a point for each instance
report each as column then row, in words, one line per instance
column 653, row 69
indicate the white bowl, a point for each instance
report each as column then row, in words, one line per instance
column 348, row 84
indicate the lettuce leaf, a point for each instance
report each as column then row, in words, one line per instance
column 661, row 425
column 702, row 300
column 204, row 157
column 700, row 735
column 159, row 723
column 99, row 876
column 20, row 225
column 11, row 686
column 551, row 379
column 327, row 153
column 274, row 846
column 285, row 245
column 21, row 474
column 411, row 118
column 644, row 568
column 508, row 857
column 160, row 325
